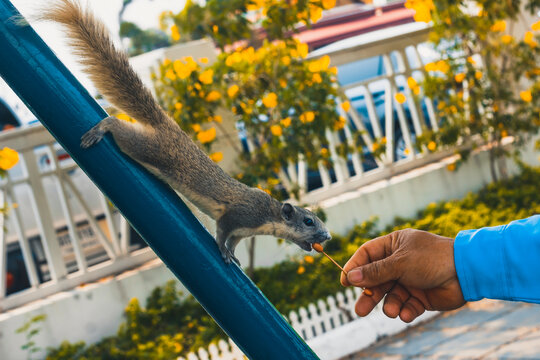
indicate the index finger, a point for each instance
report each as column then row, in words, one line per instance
column 373, row 250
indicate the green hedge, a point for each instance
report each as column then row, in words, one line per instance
column 172, row 324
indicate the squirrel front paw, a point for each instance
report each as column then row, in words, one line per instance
column 228, row 256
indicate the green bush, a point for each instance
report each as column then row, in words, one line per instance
column 172, row 324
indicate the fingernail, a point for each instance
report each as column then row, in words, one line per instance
column 355, row 276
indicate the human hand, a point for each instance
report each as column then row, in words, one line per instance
column 414, row 269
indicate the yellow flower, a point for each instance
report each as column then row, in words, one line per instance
column 206, row 77
column 175, row 34
column 178, row 106
column 526, row 96
column 166, row 62
column 478, row 75
column 535, row 26
column 8, row 158
column 307, row 117
column 416, row 90
column 232, row 59
column 470, row 60
column 196, row 127
column 125, row 117
column 286, row 122
column 443, row 66
column 301, row 270
column 282, row 83
column 324, row 62
column 459, row 77
column 286, row 60
column 529, row 39
column 276, row 130
column 407, row 151
column 309, row 259
column 270, row 100
column 216, row 157
column 374, row 147
column 432, row 146
column 170, row 74
column 507, row 39
column 203, row 60
column 218, row 119
column 181, row 69
column 324, row 152
column 314, row 66
column 333, row 70
column 317, row 78
column 340, row 123
column 423, row 14
column 213, row 96
column 498, row 26
column 315, row 13
column 346, row 106
column 206, row 136
column 328, row 4
column 412, row 82
column 504, row 133
column 249, row 55
column 215, row 28
column 451, row 167
column 232, row 90
column 302, row 49
column 431, row 66
column 400, row 98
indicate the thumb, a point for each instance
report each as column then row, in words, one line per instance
column 375, row 273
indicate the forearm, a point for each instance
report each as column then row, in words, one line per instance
column 501, row 262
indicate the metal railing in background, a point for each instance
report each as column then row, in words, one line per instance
column 60, row 230
column 373, row 69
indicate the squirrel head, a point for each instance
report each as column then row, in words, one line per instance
column 302, row 226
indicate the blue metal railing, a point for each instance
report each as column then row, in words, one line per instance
column 67, row 110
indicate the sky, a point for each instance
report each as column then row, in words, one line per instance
column 145, row 13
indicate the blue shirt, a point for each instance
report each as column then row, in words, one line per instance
column 500, row 262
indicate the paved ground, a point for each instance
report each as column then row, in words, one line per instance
column 481, row 330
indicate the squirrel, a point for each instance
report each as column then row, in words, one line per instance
column 157, row 143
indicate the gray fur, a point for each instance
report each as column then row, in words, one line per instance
column 158, row 143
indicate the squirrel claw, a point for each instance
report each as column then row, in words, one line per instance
column 229, row 257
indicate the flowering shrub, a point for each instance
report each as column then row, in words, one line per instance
column 487, row 82
column 283, row 103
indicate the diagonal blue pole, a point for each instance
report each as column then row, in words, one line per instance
column 67, row 110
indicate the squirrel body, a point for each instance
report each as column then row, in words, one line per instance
column 161, row 146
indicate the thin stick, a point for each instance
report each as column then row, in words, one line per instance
column 334, row 261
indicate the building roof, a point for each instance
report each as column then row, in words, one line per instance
column 354, row 19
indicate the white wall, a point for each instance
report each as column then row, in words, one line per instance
column 91, row 312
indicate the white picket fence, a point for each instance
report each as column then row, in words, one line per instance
column 310, row 323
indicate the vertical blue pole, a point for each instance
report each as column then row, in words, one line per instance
column 152, row 208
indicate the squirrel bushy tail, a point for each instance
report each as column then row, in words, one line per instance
column 108, row 68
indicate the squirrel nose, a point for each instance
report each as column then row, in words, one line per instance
column 325, row 235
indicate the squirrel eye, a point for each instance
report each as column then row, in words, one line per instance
column 308, row 222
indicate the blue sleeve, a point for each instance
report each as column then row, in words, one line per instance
column 501, row 262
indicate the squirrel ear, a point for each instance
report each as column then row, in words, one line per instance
column 287, row 211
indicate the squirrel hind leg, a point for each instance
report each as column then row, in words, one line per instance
column 94, row 135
